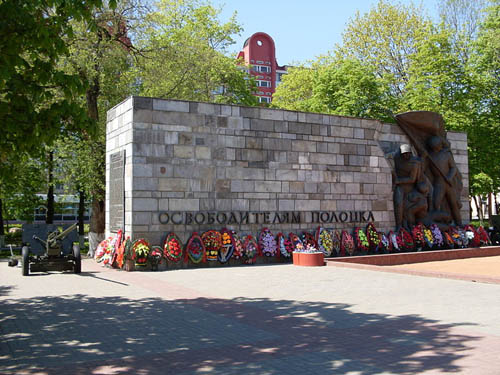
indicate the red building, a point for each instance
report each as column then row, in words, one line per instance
column 259, row 53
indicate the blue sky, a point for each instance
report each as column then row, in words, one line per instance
column 302, row 30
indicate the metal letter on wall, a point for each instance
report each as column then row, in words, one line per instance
column 117, row 191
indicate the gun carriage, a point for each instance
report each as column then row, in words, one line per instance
column 54, row 253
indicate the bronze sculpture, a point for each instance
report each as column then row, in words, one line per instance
column 427, row 187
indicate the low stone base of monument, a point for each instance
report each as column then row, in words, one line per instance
column 308, row 259
column 418, row 257
column 168, row 265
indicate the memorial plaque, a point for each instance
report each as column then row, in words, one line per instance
column 117, row 191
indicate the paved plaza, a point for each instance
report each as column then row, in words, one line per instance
column 274, row 319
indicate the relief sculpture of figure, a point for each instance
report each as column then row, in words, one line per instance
column 410, row 191
column 444, row 171
column 438, row 179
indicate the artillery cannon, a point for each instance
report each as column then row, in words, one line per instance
column 55, row 253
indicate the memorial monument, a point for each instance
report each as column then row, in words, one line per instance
column 184, row 167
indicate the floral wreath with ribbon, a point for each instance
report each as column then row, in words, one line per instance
column 324, row 241
column 195, row 250
column 373, row 237
column 212, row 240
column 141, row 250
column 361, row 240
column 347, row 244
column 285, row 245
column 172, row 248
column 407, row 239
column 267, row 243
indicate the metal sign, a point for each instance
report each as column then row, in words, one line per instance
column 117, row 191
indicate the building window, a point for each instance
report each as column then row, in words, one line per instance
column 263, row 99
column 263, row 84
column 261, row 68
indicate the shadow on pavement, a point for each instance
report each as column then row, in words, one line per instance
column 77, row 334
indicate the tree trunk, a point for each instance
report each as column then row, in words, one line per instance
column 81, row 223
column 2, row 229
column 496, row 203
column 490, row 210
column 478, row 208
column 97, row 225
column 49, row 218
column 97, row 217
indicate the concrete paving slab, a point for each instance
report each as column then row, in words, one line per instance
column 276, row 319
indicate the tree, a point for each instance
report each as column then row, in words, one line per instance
column 101, row 53
column 337, row 86
column 38, row 99
column 385, row 38
column 184, row 47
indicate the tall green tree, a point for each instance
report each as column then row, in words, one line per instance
column 185, row 55
column 37, row 98
column 385, row 38
column 337, row 86
column 101, row 53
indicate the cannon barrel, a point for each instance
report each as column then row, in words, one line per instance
column 55, row 236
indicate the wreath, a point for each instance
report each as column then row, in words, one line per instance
column 172, row 248
column 429, row 238
column 347, row 244
column 484, row 238
column 361, row 240
column 195, row 250
column 373, row 237
column 213, row 243
column 128, row 249
column 121, row 253
column 267, row 243
column 385, row 245
column 117, row 245
column 238, row 246
column 227, row 248
column 100, row 252
column 407, row 240
column 337, row 243
column 457, row 237
column 141, row 250
column 309, row 242
column 417, row 234
column 251, row 249
column 448, row 239
column 437, row 236
column 324, row 241
column 297, row 244
column 285, row 245
column 155, row 257
column 396, row 242
column 472, row 236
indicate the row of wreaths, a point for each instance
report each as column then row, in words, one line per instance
column 226, row 244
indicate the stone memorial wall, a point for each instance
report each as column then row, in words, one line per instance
column 192, row 166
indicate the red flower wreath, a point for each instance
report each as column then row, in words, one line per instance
column 407, row 239
column 484, row 238
column 476, row 241
column 172, row 248
column 418, row 236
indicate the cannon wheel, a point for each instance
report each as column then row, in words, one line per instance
column 78, row 259
column 26, row 260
